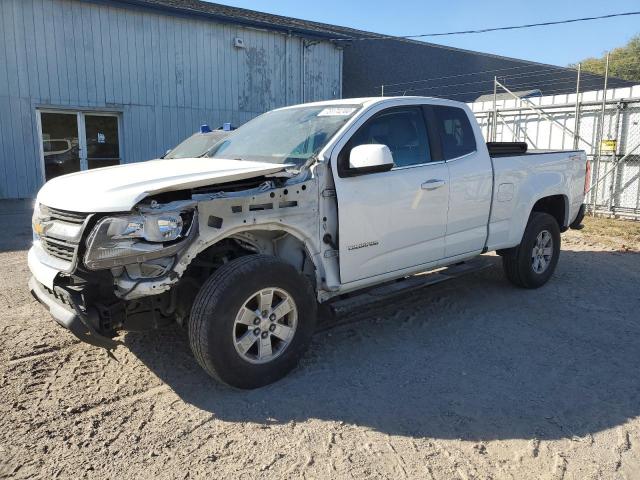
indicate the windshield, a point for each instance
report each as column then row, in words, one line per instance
column 197, row 145
column 290, row 135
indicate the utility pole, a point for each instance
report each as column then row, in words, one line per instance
column 382, row 91
column 600, row 136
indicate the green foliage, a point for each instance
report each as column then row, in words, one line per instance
column 624, row 62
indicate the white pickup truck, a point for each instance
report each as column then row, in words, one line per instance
column 299, row 206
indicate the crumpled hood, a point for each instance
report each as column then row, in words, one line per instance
column 119, row 188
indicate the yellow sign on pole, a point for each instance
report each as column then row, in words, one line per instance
column 608, row 145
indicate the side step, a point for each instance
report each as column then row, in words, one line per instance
column 343, row 306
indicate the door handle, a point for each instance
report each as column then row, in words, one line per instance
column 433, row 184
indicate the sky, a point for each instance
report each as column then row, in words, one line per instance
column 556, row 45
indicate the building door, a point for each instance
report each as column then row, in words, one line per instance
column 75, row 141
column 60, row 146
column 102, row 140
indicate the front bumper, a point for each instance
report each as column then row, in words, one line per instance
column 65, row 311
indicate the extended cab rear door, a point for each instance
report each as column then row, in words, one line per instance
column 395, row 219
column 463, row 149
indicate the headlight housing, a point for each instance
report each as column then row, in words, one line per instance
column 36, row 228
column 117, row 241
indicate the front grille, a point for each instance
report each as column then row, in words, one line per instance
column 59, row 249
column 63, row 215
column 59, row 245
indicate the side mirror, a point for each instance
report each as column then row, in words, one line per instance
column 370, row 159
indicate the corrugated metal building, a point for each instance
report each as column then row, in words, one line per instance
column 419, row 68
column 94, row 83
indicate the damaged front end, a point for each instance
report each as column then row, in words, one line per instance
column 85, row 265
column 142, row 269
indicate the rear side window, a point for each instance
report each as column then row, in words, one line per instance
column 454, row 131
column 402, row 130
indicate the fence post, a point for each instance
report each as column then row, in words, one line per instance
column 382, row 91
column 576, row 123
column 600, row 135
column 495, row 110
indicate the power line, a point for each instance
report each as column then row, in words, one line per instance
column 492, row 29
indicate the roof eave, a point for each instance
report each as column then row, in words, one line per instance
column 287, row 29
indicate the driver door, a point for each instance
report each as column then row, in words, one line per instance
column 396, row 219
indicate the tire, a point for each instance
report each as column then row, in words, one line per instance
column 519, row 263
column 218, row 321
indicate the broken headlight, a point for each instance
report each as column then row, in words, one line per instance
column 117, row 241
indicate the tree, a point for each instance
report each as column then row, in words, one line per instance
column 624, row 62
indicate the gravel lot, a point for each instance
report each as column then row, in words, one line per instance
column 467, row 379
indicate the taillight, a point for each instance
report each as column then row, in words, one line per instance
column 587, row 177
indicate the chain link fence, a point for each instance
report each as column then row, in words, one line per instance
column 615, row 158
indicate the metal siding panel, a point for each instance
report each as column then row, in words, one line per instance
column 11, row 61
column 20, row 50
column 156, row 60
column 234, row 79
column 58, row 21
column 133, row 135
column 216, row 69
column 4, row 72
column 107, row 53
column 70, row 52
column 19, row 152
column 192, row 48
column 132, row 65
column 140, row 67
column 48, row 45
column 173, row 33
column 164, row 60
column 205, row 68
column 223, row 99
column 7, row 167
column 89, row 56
column 179, row 64
column 80, row 95
column 31, row 148
column 148, row 54
column 123, row 43
column 98, row 54
column 158, row 146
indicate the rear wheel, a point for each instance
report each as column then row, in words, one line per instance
column 252, row 320
column 531, row 264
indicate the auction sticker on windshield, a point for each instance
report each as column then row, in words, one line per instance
column 336, row 112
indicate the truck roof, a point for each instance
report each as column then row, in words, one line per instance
column 368, row 101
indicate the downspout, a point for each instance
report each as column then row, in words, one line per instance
column 304, row 70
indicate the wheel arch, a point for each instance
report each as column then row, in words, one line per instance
column 555, row 205
column 281, row 241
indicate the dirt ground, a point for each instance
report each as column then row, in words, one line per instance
column 472, row 378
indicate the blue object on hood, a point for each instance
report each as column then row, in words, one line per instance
column 226, row 127
column 205, row 128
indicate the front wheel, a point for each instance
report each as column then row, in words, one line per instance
column 252, row 320
column 531, row 264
